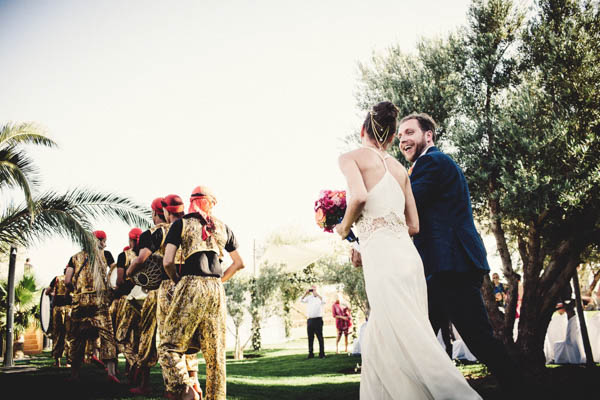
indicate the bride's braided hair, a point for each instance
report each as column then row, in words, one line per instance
column 382, row 122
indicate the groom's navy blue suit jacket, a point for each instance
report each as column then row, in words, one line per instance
column 447, row 238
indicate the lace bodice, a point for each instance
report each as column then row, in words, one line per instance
column 384, row 209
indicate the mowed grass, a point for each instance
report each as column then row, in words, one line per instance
column 284, row 372
column 279, row 372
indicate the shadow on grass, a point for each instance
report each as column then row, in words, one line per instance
column 324, row 391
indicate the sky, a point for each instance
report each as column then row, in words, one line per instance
column 149, row 98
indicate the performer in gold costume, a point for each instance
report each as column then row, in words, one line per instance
column 61, row 312
column 89, row 315
column 127, row 312
column 147, row 355
column 196, row 316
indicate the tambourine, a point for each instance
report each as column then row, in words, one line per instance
column 112, row 277
column 137, row 294
column 149, row 276
column 45, row 312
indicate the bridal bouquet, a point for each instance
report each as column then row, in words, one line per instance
column 329, row 211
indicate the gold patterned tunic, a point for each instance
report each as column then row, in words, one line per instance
column 147, row 355
column 60, row 314
column 89, row 317
column 127, row 317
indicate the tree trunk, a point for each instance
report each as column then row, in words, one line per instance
column 594, row 282
column 589, row 358
column 10, row 305
column 238, row 353
column 530, row 343
column 496, row 317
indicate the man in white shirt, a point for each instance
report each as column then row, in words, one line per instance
column 315, row 304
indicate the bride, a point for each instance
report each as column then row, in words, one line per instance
column 402, row 358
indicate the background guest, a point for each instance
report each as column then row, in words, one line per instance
column 343, row 322
column 314, row 324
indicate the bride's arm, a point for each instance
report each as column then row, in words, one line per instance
column 357, row 194
column 410, row 209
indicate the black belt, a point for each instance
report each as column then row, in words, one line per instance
column 62, row 300
column 198, row 273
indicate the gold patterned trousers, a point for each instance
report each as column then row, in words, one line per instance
column 59, row 330
column 165, row 297
column 113, row 311
column 195, row 321
column 89, row 322
column 69, row 339
column 127, row 330
column 147, row 355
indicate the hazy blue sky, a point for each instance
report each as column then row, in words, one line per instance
column 252, row 98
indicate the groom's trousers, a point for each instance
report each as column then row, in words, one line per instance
column 456, row 296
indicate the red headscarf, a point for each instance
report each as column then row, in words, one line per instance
column 173, row 204
column 135, row 233
column 202, row 202
column 157, row 206
column 126, row 248
column 100, row 235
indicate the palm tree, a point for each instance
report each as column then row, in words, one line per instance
column 42, row 215
column 70, row 214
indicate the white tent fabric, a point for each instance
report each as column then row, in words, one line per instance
column 295, row 257
column 570, row 350
column 356, row 345
column 460, row 351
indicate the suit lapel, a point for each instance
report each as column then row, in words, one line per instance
column 429, row 150
column 432, row 148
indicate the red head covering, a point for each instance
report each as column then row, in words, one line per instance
column 202, row 200
column 157, row 206
column 100, row 235
column 126, row 248
column 173, row 204
column 135, row 233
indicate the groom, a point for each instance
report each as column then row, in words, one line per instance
column 453, row 254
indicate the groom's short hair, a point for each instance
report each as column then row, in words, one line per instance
column 426, row 123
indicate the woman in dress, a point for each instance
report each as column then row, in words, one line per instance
column 402, row 358
column 343, row 322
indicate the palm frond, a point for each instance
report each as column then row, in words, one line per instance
column 93, row 204
column 17, row 169
column 70, row 215
column 24, row 133
column 25, row 293
column 15, row 226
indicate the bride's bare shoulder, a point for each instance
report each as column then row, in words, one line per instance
column 396, row 166
column 353, row 155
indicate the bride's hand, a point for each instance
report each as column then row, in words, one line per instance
column 343, row 232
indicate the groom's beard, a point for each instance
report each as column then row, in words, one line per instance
column 419, row 147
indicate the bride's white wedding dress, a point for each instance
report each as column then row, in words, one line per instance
column 401, row 357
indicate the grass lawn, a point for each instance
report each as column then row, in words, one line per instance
column 279, row 372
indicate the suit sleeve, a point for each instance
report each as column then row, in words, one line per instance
column 423, row 179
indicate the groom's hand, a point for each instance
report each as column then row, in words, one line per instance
column 355, row 258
